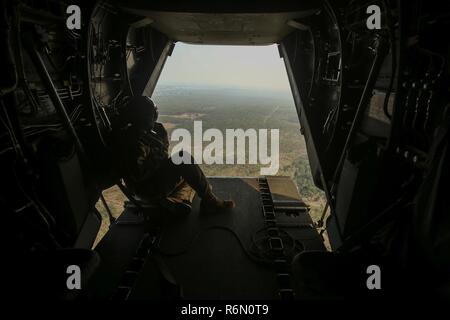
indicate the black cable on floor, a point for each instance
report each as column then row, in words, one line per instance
column 260, row 258
column 249, row 254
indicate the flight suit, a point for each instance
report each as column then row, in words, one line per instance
column 155, row 177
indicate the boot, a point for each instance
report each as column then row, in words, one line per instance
column 211, row 203
column 180, row 200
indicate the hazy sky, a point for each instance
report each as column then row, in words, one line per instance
column 238, row 66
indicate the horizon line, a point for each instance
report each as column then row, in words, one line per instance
column 227, row 86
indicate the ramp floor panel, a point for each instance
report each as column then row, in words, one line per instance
column 211, row 263
column 207, row 253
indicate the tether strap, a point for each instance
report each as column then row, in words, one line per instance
column 275, row 242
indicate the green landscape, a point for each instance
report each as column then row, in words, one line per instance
column 231, row 108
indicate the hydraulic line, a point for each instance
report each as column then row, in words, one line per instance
column 48, row 82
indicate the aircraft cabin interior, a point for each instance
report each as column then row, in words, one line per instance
column 373, row 107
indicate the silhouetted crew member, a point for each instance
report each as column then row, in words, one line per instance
column 153, row 175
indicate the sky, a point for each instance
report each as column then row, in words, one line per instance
column 258, row 67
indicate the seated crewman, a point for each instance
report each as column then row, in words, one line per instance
column 152, row 174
